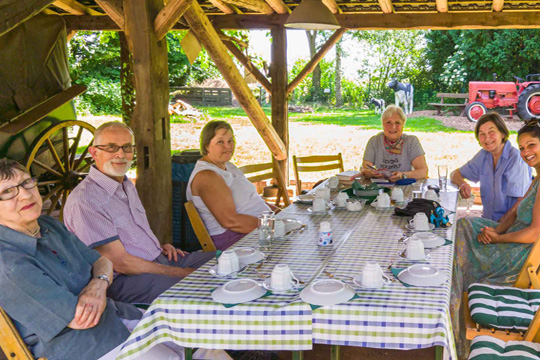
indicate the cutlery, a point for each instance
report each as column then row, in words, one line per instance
column 330, row 275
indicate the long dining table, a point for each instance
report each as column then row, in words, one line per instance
column 392, row 317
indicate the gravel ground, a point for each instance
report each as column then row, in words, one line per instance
column 462, row 123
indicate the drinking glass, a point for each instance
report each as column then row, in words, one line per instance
column 417, row 190
column 443, row 177
column 266, row 229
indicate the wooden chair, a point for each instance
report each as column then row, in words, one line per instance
column 528, row 277
column 253, row 174
column 11, row 342
column 199, row 228
column 315, row 163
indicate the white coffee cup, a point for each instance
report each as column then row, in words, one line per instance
column 420, row 221
column 397, row 194
column 354, row 204
column 279, row 229
column 372, row 275
column 282, row 278
column 383, row 200
column 319, row 205
column 431, row 195
column 415, row 249
column 341, row 199
column 322, row 193
column 333, row 182
column 228, row 262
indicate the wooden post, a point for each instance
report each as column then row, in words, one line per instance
column 280, row 115
column 207, row 35
column 127, row 87
column 150, row 121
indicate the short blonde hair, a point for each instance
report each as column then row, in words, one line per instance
column 391, row 110
column 209, row 131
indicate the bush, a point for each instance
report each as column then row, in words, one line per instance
column 103, row 97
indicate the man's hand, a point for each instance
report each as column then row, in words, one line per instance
column 465, row 190
column 171, row 252
column 91, row 304
column 396, row 175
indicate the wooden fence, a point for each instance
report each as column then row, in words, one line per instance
column 203, row 96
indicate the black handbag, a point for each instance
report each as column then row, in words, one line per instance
column 418, row 205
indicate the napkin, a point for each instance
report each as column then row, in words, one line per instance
column 218, row 254
column 396, row 272
column 357, row 186
column 447, row 242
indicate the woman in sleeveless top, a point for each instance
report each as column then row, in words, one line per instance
column 225, row 199
column 491, row 252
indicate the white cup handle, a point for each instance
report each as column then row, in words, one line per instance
column 294, row 280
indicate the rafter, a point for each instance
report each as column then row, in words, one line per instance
column 222, row 6
column 75, row 8
column 113, row 8
column 256, row 5
column 315, row 60
column 169, row 15
column 498, row 5
column 386, row 6
column 244, row 60
column 332, row 5
column 442, row 6
column 279, row 6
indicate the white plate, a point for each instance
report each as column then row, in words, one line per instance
column 426, row 252
column 214, row 271
column 357, row 280
column 422, row 275
column 248, row 255
column 238, row 291
column 374, row 205
column 305, row 198
column 327, row 292
column 267, row 285
column 410, row 227
column 429, row 239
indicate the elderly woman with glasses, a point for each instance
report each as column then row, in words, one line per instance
column 53, row 286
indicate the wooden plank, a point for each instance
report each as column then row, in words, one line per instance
column 75, row 8
column 452, row 95
column 223, row 7
column 279, row 6
column 113, row 8
column 14, row 12
column 442, row 6
column 38, row 112
column 239, row 55
column 150, row 121
column 316, row 59
column 256, row 5
column 208, row 36
column 12, row 343
column 386, row 6
column 169, row 15
column 498, row 5
column 203, row 236
column 70, row 35
column 333, row 6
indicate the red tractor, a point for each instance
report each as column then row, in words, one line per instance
column 521, row 96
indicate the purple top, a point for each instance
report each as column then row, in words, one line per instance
column 101, row 210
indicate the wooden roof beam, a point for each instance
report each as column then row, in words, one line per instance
column 75, row 8
column 279, row 6
column 498, row 5
column 169, row 15
column 114, row 9
column 386, row 6
column 333, row 6
column 223, row 7
column 256, row 5
column 207, row 35
column 442, row 6
column 244, row 60
column 316, row 59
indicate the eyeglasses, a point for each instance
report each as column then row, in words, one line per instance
column 111, row 148
column 13, row 191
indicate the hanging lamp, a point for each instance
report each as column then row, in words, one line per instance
column 312, row 15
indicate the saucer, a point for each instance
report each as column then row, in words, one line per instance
column 213, row 271
column 402, row 254
column 410, row 227
column 305, row 198
column 291, row 225
column 429, row 239
column 357, row 280
column 238, row 291
column 324, row 212
column 248, row 255
column 327, row 292
column 374, row 205
column 422, row 275
column 266, row 284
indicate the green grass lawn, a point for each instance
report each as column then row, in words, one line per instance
column 366, row 119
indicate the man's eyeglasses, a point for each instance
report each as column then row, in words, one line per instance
column 111, row 148
column 13, row 191
column 533, row 122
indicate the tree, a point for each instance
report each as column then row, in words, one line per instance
column 339, row 53
column 316, row 78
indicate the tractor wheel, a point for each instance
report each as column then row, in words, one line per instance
column 528, row 105
column 474, row 110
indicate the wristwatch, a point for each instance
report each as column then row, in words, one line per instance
column 105, row 278
column 405, row 176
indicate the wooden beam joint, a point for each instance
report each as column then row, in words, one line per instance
column 169, row 15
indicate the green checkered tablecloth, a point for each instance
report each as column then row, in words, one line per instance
column 394, row 317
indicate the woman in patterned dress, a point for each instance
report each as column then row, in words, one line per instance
column 492, row 252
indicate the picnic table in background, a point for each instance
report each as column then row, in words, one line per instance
column 460, row 106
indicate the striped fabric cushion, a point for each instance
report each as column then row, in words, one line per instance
column 490, row 348
column 503, row 307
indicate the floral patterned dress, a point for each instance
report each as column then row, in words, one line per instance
column 495, row 264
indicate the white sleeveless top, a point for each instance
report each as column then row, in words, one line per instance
column 246, row 199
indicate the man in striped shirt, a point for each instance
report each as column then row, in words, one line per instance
column 105, row 212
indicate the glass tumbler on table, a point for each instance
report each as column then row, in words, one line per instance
column 443, row 177
column 266, row 229
column 417, row 190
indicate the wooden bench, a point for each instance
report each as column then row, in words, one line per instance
column 442, row 104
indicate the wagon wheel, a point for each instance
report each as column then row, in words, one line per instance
column 54, row 159
column 474, row 110
column 528, row 105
